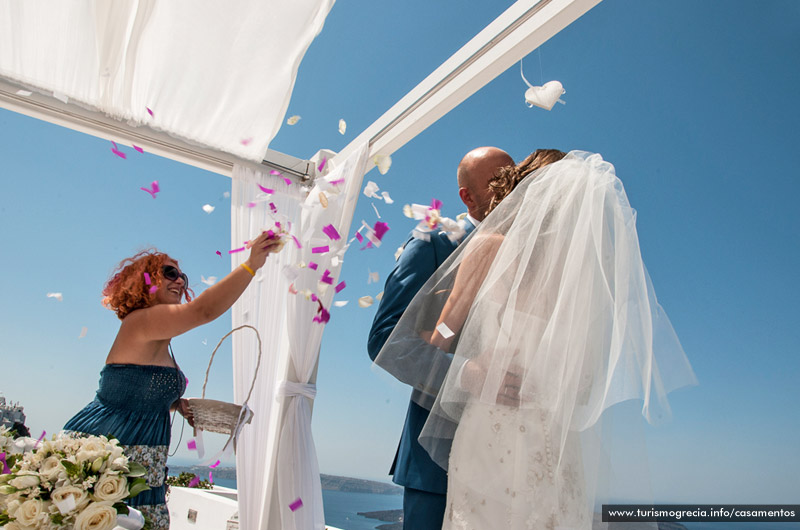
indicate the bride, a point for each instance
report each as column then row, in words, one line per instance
column 524, row 338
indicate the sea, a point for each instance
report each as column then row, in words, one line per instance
column 341, row 508
column 341, row 511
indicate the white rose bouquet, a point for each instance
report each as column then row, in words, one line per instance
column 66, row 483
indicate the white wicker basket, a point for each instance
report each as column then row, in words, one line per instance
column 220, row 416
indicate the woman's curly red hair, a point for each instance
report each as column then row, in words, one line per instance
column 127, row 290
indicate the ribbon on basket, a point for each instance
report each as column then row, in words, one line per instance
column 219, row 416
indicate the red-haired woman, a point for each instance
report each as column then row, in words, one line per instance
column 141, row 383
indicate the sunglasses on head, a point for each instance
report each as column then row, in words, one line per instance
column 172, row 273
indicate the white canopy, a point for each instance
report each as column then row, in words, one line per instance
column 208, row 83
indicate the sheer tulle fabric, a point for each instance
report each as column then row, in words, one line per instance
column 552, row 289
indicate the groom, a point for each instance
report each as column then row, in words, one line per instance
column 425, row 483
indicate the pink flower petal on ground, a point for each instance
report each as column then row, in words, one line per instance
column 265, row 190
column 194, row 482
column 341, row 286
column 219, row 253
column 322, row 164
column 320, row 250
column 313, row 266
column 192, row 445
column 214, row 465
column 331, row 232
column 235, row 250
column 146, row 279
column 150, row 112
column 153, row 289
column 138, row 148
column 296, row 504
column 288, row 181
column 297, row 242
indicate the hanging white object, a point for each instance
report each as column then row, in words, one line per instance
column 544, row 96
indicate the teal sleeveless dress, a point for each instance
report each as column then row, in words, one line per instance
column 132, row 404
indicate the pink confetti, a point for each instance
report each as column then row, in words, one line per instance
column 194, row 482
column 219, row 253
column 341, row 286
column 297, row 242
column 292, row 290
column 40, row 439
column 246, row 141
column 251, row 205
column 336, row 182
column 146, row 279
column 275, row 173
column 436, row 204
column 320, row 250
column 117, row 152
column 359, row 237
column 138, row 148
column 312, row 265
column 331, row 232
column 296, row 505
column 380, row 229
column 6, row 469
column 211, row 477
column 265, row 190
column 153, row 289
column 288, row 181
column 214, row 465
column 150, row 112
column 326, row 277
column 192, row 445
column 153, row 189
column 322, row 164
column 273, row 207
column 234, row 251
column 314, row 297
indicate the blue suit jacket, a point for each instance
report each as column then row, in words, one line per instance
column 412, row 466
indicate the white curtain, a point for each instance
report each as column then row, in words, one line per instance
column 216, row 73
column 276, row 460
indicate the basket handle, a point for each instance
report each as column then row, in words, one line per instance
column 258, row 364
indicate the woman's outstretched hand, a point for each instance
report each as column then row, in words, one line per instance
column 261, row 247
column 182, row 406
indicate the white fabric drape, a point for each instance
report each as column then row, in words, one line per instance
column 216, row 73
column 263, row 306
column 276, row 459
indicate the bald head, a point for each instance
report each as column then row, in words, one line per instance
column 475, row 171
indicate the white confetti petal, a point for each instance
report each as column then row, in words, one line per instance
column 227, row 195
column 386, row 197
column 342, row 126
column 292, row 120
column 211, row 280
column 24, row 93
column 376, row 210
column 444, row 331
column 57, row 296
column 84, row 330
column 371, row 190
column 365, row 301
column 208, row 208
column 340, row 303
column 397, row 253
column 372, row 277
column 384, row 162
column 379, row 296
column 61, row 97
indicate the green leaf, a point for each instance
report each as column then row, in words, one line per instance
column 136, row 470
column 72, row 469
column 57, row 519
column 122, row 508
column 137, row 486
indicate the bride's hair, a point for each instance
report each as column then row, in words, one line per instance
column 508, row 177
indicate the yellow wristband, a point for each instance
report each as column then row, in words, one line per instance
column 248, row 269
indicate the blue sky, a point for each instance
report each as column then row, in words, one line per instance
column 695, row 102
